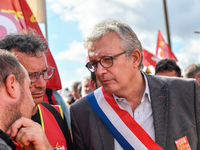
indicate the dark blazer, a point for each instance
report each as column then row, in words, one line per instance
column 176, row 113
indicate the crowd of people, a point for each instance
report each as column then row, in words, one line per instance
column 117, row 106
column 81, row 88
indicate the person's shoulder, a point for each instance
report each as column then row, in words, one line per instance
column 167, row 79
column 80, row 102
column 176, row 79
column 160, row 81
column 3, row 145
column 57, row 95
column 80, row 106
column 56, row 110
column 5, row 141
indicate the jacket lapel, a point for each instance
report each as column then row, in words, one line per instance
column 105, row 134
column 159, row 101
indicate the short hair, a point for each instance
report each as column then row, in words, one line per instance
column 129, row 41
column 167, row 65
column 29, row 42
column 75, row 85
column 10, row 65
column 191, row 70
column 86, row 78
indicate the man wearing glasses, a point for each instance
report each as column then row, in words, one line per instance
column 17, row 107
column 132, row 110
column 30, row 51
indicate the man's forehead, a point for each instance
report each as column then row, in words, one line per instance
column 27, row 53
column 95, row 55
column 105, row 46
column 25, row 71
column 94, row 51
column 32, row 63
column 98, row 53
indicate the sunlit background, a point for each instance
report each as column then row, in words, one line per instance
column 69, row 21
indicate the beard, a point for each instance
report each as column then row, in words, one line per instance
column 14, row 110
column 12, row 114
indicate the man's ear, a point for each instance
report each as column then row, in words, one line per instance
column 11, row 85
column 136, row 55
column 93, row 84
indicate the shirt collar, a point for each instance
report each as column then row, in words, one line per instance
column 146, row 91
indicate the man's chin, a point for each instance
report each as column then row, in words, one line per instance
column 108, row 89
column 38, row 100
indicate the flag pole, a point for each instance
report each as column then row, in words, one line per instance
column 46, row 31
column 166, row 22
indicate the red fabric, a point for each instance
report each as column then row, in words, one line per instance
column 149, row 59
column 17, row 146
column 45, row 99
column 48, row 126
column 163, row 50
column 87, row 60
column 52, row 129
column 16, row 15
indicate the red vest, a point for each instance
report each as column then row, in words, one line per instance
column 51, row 128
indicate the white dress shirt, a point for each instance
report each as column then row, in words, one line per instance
column 142, row 114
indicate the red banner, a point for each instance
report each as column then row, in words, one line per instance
column 16, row 15
column 149, row 59
column 163, row 50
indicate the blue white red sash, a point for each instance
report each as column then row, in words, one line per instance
column 121, row 124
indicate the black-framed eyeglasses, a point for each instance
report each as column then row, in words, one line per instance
column 45, row 74
column 105, row 61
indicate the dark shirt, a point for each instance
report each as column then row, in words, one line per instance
column 5, row 142
column 36, row 117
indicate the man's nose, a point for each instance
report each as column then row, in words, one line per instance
column 100, row 70
column 41, row 83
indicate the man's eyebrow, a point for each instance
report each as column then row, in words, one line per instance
column 32, row 72
column 45, row 70
column 39, row 72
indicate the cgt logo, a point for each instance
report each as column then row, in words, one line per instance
column 61, row 148
column 58, row 147
column 7, row 26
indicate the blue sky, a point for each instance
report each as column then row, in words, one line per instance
column 69, row 21
column 63, row 37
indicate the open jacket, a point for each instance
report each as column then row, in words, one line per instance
column 176, row 113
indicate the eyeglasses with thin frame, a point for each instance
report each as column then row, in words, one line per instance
column 105, row 61
column 45, row 74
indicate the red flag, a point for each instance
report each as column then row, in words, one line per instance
column 16, row 15
column 163, row 50
column 149, row 58
column 87, row 60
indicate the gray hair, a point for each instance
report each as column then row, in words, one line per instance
column 10, row 65
column 86, row 78
column 129, row 41
column 192, row 70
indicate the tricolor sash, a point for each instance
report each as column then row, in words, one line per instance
column 129, row 134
